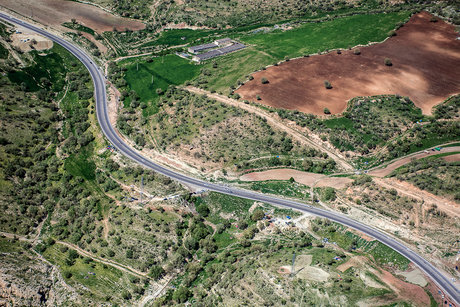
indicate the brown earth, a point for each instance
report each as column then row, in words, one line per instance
column 306, row 178
column 56, row 12
column 452, row 158
column 426, row 67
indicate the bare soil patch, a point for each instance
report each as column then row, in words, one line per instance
column 27, row 40
column 356, row 261
column 410, row 292
column 452, row 158
column 415, row 276
column 56, row 12
column 426, row 67
column 306, row 178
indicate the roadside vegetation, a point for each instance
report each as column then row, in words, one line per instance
column 210, row 134
column 433, row 174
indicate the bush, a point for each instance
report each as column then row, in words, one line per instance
column 258, row 97
column 327, row 84
column 326, row 111
column 392, row 33
column 156, row 272
column 388, row 62
column 257, row 215
column 203, row 210
column 264, row 80
column 357, row 51
column 181, row 295
column 67, row 274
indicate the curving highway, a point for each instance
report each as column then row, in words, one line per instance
column 102, row 115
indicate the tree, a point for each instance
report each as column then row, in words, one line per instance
column 181, row 295
column 156, row 272
column 258, row 214
column 326, row 111
column 388, row 62
column 327, row 84
column 357, row 51
column 203, row 210
column 242, row 224
column 264, row 80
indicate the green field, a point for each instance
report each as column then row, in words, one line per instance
column 164, row 71
column 269, row 48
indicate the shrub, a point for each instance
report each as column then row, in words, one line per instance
column 258, row 97
column 67, row 274
column 388, row 62
column 264, row 80
column 339, row 51
column 392, row 33
column 326, row 111
column 357, row 51
column 433, row 19
column 258, row 214
column 156, row 272
column 327, row 84
column 251, row 78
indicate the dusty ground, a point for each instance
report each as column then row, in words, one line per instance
column 304, row 270
column 306, row 178
column 452, row 158
column 426, row 67
column 382, row 172
column 55, row 12
column 27, row 40
column 415, row 276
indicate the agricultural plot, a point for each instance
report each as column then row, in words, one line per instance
column 413, row 63
column 149, row 80
column 271, row 48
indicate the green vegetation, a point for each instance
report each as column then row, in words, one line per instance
column 433, row 174
column 307, row 38
column 146, row 81
column 382, row 128
column 78, row 27
column 103, row 280
column 215, row 135
column 34, row 77
column 282, row 187
column 449, row 109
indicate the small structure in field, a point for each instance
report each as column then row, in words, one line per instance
column 210, row 50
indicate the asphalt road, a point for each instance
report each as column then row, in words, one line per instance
column 102, row 115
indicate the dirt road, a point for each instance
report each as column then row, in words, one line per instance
column 386, row 170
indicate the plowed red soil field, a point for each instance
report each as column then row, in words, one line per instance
column 56, row 12
column 426, row 67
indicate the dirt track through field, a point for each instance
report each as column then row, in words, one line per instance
column 55, row 12
column 426, row 67
column 382, row 172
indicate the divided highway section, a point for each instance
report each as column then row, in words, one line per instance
column 102, row 115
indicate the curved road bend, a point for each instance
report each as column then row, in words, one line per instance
column 102, row 115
